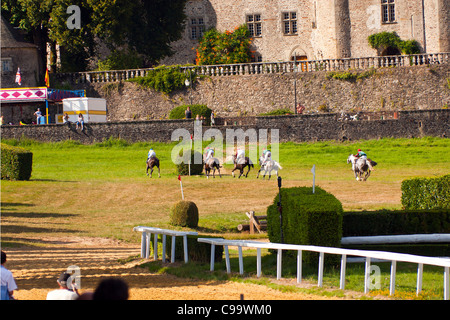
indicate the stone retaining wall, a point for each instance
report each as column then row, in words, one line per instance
column 296, row 128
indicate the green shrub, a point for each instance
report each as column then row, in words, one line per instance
column 196, row 109
column 224, row 48
column 426, row 193
column 308, row 219
column 277, row 112
column 184, row 214
column 17, row 163
column 383, row 40
column 165, row 79
column 196, row 168
column 395, row 222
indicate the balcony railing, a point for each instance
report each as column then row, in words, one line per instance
column 270, row 67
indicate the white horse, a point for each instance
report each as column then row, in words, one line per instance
column 360, row 167
column 269, row 166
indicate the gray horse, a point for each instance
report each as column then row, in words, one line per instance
column 268, row 167
column 212, row 164
column 360, row 167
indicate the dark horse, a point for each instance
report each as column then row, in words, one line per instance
column 241, row 166
column 212, row 164
column 153, row 162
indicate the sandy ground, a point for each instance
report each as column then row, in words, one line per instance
column 36, row 271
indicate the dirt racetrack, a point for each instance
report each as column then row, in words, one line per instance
column 36, row 271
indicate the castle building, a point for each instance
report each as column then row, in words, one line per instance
column 284, row 30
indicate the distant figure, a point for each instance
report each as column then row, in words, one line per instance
column 38, row 115
column 80, row 122
column 65, row 118
column 188, row 113
column 300, row 109
column 213, row 121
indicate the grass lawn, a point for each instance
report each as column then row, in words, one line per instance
column 102, row 190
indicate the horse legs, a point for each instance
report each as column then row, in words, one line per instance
column 247, row 172
column 159, row 173
column 258, row 173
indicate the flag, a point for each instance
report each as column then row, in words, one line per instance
column 18, row 77
column 47, row 78
column 179, row 177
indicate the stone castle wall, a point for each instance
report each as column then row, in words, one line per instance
column 326, row 28
column 296, row 128
column 385, row 89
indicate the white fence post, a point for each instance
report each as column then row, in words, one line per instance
column 393, row 274
column 419, row 278
column 343, row 267
column 320, row 276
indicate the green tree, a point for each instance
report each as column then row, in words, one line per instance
column 146, row 27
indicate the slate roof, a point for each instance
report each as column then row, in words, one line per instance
column 10, row 38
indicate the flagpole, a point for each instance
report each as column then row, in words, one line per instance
column 181, row 185
column 313, row 170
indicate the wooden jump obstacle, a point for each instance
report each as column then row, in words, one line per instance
column 258, row 223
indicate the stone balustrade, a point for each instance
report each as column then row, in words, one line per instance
column 270, row 67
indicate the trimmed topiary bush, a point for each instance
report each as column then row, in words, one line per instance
column 196, row 109
column 308, row 219
column 196, row 168
column 395, row 222
column 17, row 163
column 426, row 193
column 184, row 214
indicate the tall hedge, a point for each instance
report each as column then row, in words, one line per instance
column 426, row 193
column 308, row 219
column 395, row 222
column 17, row 163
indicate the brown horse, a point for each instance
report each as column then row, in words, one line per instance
column 153, row 162
column 212, row 164
column 241, row 166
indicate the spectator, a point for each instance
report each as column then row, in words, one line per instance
column 63, row 293
column 213, row 121
column 80, row 122
column 188, row 113
column 8, row 284
column 65, row 118
column 38, row 115
column 111, row 289
column 300, row 109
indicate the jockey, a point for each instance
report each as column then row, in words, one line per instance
column 240, row 155
column 267, row 155
column 209, row 153
column 362, row 155
column 150, row 154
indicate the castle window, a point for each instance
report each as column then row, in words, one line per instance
column 7, row 65
column 254, row 25
column 289, row 23
column 388, row 11
column 197, row 27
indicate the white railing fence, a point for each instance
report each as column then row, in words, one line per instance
column 344, row 253
column 269, row 67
